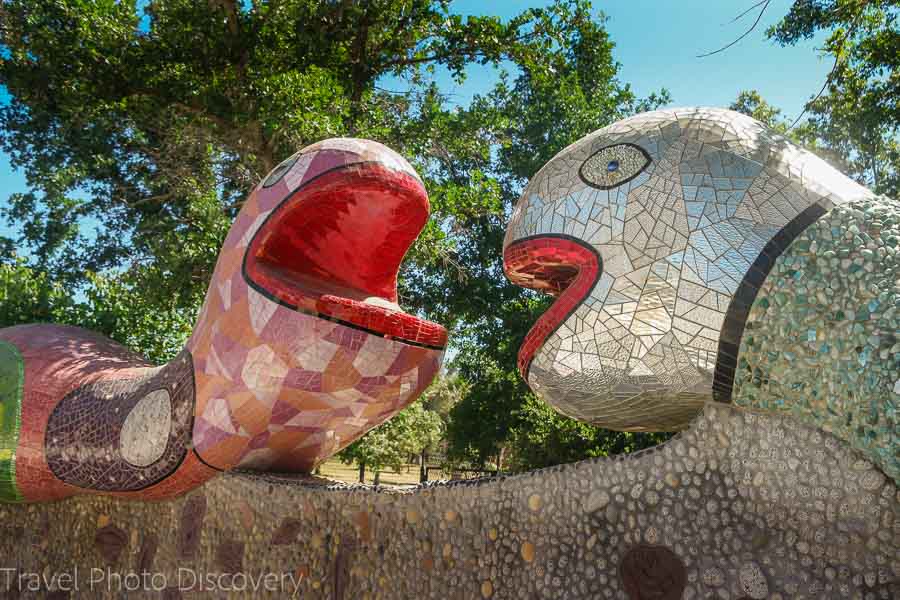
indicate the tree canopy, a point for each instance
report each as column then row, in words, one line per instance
column 141, row 125
column 855, row 119
column 390, row 445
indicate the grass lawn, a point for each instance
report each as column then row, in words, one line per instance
column 335, row 469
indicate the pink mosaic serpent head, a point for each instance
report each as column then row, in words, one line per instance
column 299, row 349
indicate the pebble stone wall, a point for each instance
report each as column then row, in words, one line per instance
column 740, row 505
column 822, row 341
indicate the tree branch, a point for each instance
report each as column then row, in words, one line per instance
column 401, row 25
column 470, row 50
column 249, row 138
column 273, row 7
column 396, row 92
column 231, row 13
column 150, row 199
column 360, row 72
column 765, row 5
column 743, row 14
column 834, row 69
column 261, row 20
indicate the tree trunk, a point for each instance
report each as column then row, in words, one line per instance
column 876, row 176
column 423, row 471
column 377, row 480
column 362, row 472
column 360, row 74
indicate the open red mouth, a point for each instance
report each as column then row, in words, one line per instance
column 558, row 265
column 333, row 248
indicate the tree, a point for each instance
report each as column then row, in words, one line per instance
column 166, row 119
column 482, row 424
column 752, row 104
column 503, row 424
column 444, row 393
column 545, row 438
column 559, row 95
column 390, row 445
column 111, row 305
column 853, row 120
column 118, row 306
column 856, row 115
column 151, row 124
column 28, row 295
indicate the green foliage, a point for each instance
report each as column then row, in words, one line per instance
column 124, row 309
column 544, row 438
column 502, row 423
column 417, row 429
column 482, row 424
column 857, row 116
column 752, row 104
column 28, row 295
column 390, row 445
column 118, row 307
column 805, row 133
column 150, row 125
column 443, row 395
column 199, row 102
column 564, row 92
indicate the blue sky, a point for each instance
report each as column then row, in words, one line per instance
column 657, row 43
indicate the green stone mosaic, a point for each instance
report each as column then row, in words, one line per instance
column 12, row 377
column 822, row 342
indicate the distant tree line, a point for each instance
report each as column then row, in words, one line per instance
column 141, row 130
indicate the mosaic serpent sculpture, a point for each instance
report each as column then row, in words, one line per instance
column 299, row 349
column 710, row 277
column 698, row 256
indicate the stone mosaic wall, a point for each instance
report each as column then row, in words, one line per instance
column 822, row 341
column 741, row 505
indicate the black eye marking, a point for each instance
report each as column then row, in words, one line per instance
column 614, row 165
column 279, row 171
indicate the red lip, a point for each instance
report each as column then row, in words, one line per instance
column 340, row 239
column 557, row 265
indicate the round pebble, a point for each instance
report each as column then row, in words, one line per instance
column 753, row 581
column 527, row 552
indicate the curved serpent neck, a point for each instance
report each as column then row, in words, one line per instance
column 287, row 376
column 299, row 349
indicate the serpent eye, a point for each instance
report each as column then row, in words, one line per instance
column 279, row 171
column 614, row 165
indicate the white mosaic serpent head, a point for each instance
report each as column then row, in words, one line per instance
column 655, row 233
